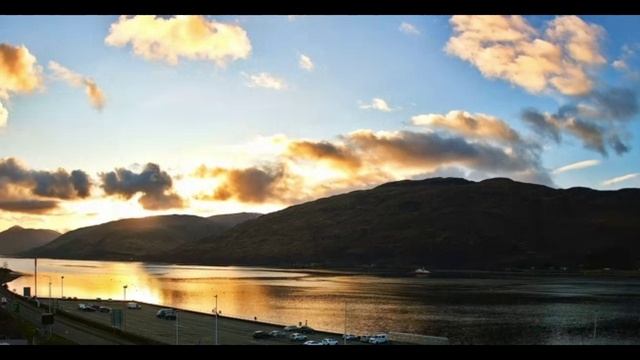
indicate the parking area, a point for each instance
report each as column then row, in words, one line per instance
column 190, row 328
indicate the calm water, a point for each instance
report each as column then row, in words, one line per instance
column 478, row 310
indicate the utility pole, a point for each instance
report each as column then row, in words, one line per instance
column 35, row 264
column 177, row 326
column 345, row 323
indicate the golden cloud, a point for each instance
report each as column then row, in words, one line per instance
column 191, row 37
column 479, row 126
column 507, row 47
column 95, row 94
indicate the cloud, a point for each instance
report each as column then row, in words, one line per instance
column 306, row 63
column 308, row 169
column 620, row 179
column 249, row 185
column 480, row 126
column 577, row 166
column 620, row 65
column 57, row 184
column 335, row 155
column 508, row 48
column 265, row 80
column 409, row 29
column 28, row 206
column 95, row 94
column 191, row 37
column 4, row 115
column 155, row 185
column 377, row 104
column 19, row 74
column 598, row 119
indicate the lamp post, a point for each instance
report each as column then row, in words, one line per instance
column 345, row 323
column 177, row 326
column 125, row 292
column 124, row 307
column 216, row 311
column 62, row 286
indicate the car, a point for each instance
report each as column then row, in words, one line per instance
column 379, row 339
column 291, row 328
column 167, row 314
column 305, row 329
column 104, row 309
column 134, row 306
column 350, row 337
column 298, row 337
column 329, row 341
column 260, row 334
column 313, row 342
column 3, row 301
column 277, row 333
column 94, row 307
column 364, row 338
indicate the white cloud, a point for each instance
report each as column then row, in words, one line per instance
column 577, row 166
column 410, row 29
column 265, row 80
column 306, row 63
column 479, row 125
column 620, row 179
column 620, row 64
column 193, row 37
column 4, row 115
column 377, row 104
column 95, row 94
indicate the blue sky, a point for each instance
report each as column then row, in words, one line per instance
column 197, row 112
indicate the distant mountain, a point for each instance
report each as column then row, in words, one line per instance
column 17, row 239
column 136, row 239
column 444, row 223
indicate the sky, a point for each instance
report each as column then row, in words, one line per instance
column 109, row 117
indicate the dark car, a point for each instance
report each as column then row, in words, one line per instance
column 260, row 335
column 94, row 307
column 305, row 330
column 104, row 309
column 167, row 314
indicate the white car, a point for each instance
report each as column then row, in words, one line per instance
column 298, row 337
column 329, row 341
column 313, row 342
column 379, row 339
column 134, row 305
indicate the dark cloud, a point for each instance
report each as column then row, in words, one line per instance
column 28, row 206
column 155, row 184
column 598, row 119
column 58, row 184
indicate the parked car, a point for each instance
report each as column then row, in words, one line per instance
column 94, row 307
column 167, row 314
column 3, row 301
column 329, row 341
column 291, row 328
column 305, row 329
column 298, row 337
column 364, row 338
column 134, row 306
column 379, row 339
column 260, row 335
column 350, row 337
column 312, row 342
column 104, row 309
column 277, row 333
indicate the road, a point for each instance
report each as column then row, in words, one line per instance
column 192, row 328
column 71, row 330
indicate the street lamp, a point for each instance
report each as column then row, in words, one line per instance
column 62, row 286
column 125, row 292
column 47, row 276
column 345, row 323
column 216, row 311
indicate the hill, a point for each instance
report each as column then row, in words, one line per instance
column 17, row 239
column 135, row 239
column 444, row 223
